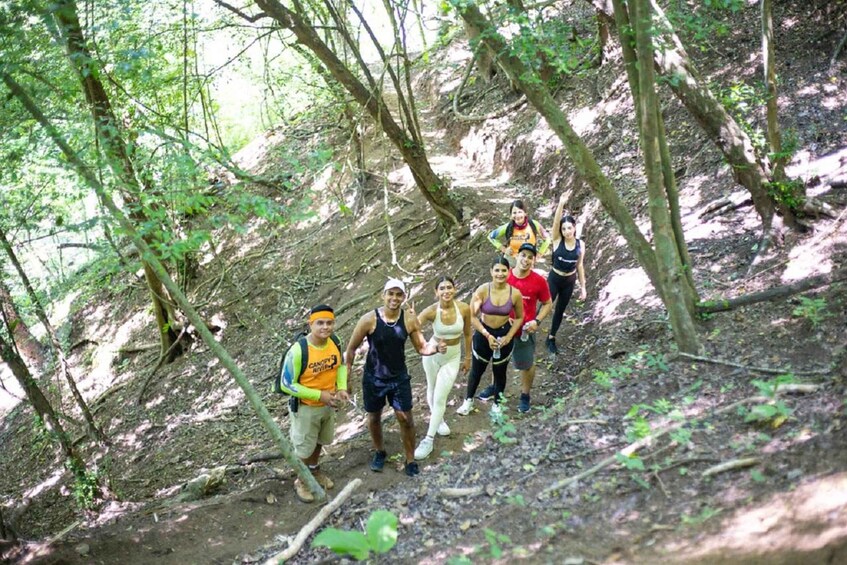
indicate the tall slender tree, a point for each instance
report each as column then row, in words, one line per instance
column 62, row 365
column 111, row 139
column 587, row 167
column 405, row 135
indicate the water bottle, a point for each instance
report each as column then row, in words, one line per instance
column 496, row 353
column 524, row 335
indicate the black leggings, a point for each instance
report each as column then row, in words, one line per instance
column 561, row 287
column 482, row 356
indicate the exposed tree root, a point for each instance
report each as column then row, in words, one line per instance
column 768, row 370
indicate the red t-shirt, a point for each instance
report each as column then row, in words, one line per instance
column 533, row 289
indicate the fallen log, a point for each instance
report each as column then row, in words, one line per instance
column 712, row 306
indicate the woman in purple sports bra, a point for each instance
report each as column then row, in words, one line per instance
column 492, row 308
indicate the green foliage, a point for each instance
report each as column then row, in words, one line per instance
column 639, row 429
column 743, row 101
column 788, row 192
column 811, row 309
column 698, row 22
column 41, row 436
column 503, row 427
column 631, row 462
column 86, row 489
column 774, row 411
column 495, row 543
column 379, row 537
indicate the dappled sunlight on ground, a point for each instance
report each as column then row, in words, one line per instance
column 624, row 285
column 12, row 394
column 100, row 373
column 809, row 518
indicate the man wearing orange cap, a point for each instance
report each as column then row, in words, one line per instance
column 318, row 378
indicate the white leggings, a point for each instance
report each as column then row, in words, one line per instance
column 441, row 371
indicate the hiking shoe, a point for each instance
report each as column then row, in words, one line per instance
column 551, row 346
column 424, row 448
column 302, row 491
column 486, row 393
column 412, row 469
column 466, row 407
column 378, row 462
column 443, row 429
column 323, row 479
column 523, row 406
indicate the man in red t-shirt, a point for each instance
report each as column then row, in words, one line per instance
column 534, row 289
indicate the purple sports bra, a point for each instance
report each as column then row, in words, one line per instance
column 493, row 310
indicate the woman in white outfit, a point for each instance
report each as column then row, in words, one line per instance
column 451, row 323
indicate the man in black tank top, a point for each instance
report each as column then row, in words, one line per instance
column 385, row 378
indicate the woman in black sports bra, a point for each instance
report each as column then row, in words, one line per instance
column 491, row 310
column 568, row 256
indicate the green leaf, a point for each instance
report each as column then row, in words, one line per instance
column 343, row 542
column 382, row 531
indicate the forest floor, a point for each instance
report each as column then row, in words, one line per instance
column 616, row 379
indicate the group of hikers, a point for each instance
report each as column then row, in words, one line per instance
column 500, row 324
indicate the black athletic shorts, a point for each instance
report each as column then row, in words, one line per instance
column 397, row 393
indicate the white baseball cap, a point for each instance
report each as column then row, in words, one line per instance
column 394, row 283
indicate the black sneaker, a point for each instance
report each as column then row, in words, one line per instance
column 523, row 406
column 551, row 346
column 378, row 462
column 487, row 392
column 412, row 469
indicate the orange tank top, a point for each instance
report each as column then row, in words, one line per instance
column 322, row 372
column 521, row 236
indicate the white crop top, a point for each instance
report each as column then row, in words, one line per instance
column 452, row 331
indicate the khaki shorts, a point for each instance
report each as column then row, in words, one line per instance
column 310, row 426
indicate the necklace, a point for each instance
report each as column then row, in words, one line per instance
column 390, row 324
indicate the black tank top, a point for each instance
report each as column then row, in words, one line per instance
column 564, row 259
column 386, row 359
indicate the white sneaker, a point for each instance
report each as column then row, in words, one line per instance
column 466, row 407
column 443, row 429
column 424, row 449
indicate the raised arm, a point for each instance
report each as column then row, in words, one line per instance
column 543, row 238
column 557, row 220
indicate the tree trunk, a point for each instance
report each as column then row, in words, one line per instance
column 115, row 149
column 769, row 67
column 672, row 61
column 42, row 406
column 680, row 306
column 484, row 58
column 194, row 317
column 25, row 342
column 627, row 40
column 428, row 182
column 582, row 158
column 61, row 361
